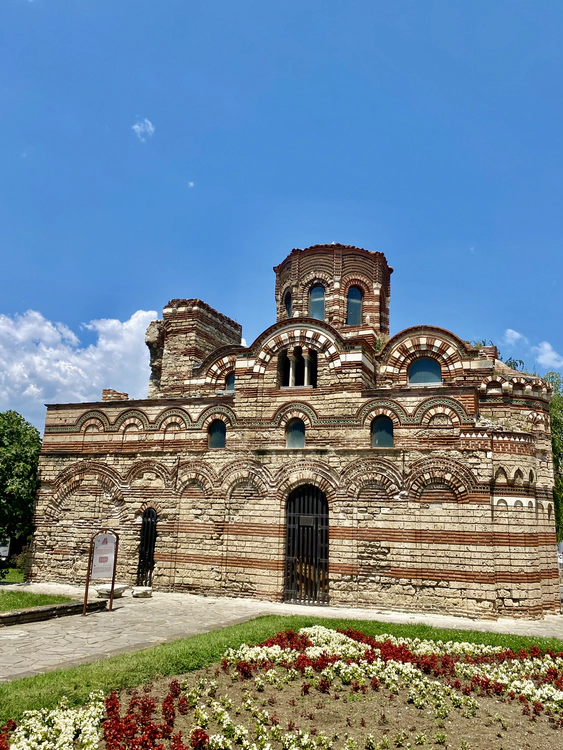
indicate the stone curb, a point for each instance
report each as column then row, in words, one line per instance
column 47, row 612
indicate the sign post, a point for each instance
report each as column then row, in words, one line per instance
column 102, row 561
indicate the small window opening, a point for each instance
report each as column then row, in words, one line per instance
column 425, row 371
column 217, row 434
column 354, row 311
column 295, row 434
column 382, row 432
column 317, row 302
column 230, row 382
column 297, row 367
column 287, row 303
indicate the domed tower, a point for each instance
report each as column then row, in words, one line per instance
column 346, row 286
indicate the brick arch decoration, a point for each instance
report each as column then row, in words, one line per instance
column 454, row 475
column 92, row 422
column 89, row 418
column 392, row 409
column 401, row 352
column 490, row 379
column 307, row 282
column 168, row 416
column 304, row 336
column 196, row 471
column 359, row 473
column 217, row 411
column 128, row 415
column 148, row 464
column 538, row 421
column 219, row 370
column 296, row 410
column 132, row 421
column 432, row 406
column 243, row 471
column 71, row 478
column 154, row 504
column 317, row 473
column 501, row 476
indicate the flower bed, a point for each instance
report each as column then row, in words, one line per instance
column 320, row 689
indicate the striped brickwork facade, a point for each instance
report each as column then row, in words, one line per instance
column 456, row 517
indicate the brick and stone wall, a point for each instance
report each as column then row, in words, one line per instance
column 457, row 516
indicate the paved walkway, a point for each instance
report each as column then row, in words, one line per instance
column 140, row 623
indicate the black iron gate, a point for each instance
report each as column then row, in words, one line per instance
column 306, row 566
column 146, row 548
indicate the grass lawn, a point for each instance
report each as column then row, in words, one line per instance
column 189, row 654
column 24, row 600
column 13, row 575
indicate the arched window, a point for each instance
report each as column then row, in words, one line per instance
column 217, row 434
column 354, row 311
column 287, row 303
column 425, row 371
column 295, row 434
column 317, row 302
column 230, row 382
column 382, row 432
column 297, row 367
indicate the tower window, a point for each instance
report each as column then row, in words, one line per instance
column 424, row 371
column 287, row 301
column 317, row 302
column 217, row 434
column 354, row 310
column 295, row 434
column 230, row 382
column 382, row 432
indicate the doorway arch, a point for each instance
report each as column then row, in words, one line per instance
column 306, row 558
column 146, row 548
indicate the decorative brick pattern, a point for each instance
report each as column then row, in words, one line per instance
column 457, row 516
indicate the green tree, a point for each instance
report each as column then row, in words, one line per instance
column 20, row 444
column 556, row 415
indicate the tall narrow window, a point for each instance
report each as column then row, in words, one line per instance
column 354, row 311
column 230, row 382
column 217, row 434
column 425, row 371
column 382, row 432
column 295, row 434
column 287, row 303
column 317, row 302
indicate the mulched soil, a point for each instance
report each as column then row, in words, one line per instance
column 347, row 716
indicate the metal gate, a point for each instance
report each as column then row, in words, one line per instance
column 306, row 566
column 146, row 548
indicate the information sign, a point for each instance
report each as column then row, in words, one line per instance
column 102, row 561
column 103, row 557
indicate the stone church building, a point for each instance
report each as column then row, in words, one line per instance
column 324, row 463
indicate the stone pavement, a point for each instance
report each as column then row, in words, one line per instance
column 140, row 623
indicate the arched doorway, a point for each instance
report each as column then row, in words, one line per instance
column 306, row 562
column 146, row 548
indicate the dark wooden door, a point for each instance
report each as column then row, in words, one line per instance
column 306, row 567
column 146, row 548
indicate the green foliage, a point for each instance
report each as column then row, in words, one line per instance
column 515, row 364
column 556, row 416
column 10, row 600
column 19, row 454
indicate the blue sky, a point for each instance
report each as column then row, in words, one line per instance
column 181, row 149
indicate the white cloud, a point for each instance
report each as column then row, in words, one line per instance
column 44, row 362
column 547, row 357
column 143, row 128
column 191, row 184
column 512, row 337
